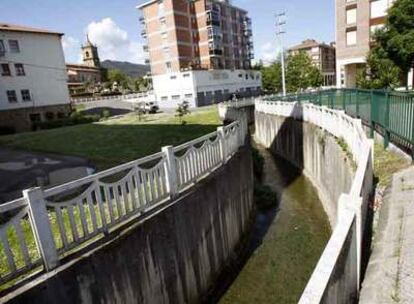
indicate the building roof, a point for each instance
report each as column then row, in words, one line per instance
column 84, row 67
column 309, row 43
column 26, row 29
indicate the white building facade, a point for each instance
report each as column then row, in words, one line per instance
column 33, row 79
column 201, row 88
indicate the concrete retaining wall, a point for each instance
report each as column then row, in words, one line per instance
column 311, row 149
column 174, row 256
column 294, row 130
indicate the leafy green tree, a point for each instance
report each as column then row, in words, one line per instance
column 272, row 78
column 301, row 73
column 379, row 73
column 119, row 77
column 396, row 40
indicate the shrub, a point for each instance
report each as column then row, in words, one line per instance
column 49, row 115
column 6, row 130
column 75, row 118
column 264, row 197
column 258, row 164
column 106, row 114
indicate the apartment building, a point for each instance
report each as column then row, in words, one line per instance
column 323, row 57
column 356, row 21
column 33, row 81
column 199, row 51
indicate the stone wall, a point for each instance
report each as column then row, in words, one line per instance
column 173, row 256
column 311, row 149
column 20, row 119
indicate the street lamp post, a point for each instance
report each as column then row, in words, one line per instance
column 280, row 23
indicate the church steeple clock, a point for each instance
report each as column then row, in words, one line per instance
column 90, row 54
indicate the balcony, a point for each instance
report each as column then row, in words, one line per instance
column 144, row 33
column 213, row 19
column 141, row 20
column 145, row 48
column 216, row 52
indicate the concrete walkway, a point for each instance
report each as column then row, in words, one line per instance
column 390, row 273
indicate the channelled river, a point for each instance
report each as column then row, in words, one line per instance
column 285, row 245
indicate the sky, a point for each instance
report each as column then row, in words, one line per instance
column 114, row 27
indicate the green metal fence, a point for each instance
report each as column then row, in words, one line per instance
column 389, row 113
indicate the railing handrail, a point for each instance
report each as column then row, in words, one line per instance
column 350, row 206
column 83, row 208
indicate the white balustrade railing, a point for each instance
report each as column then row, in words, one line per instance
column 19, row 252
column 328, row 284
column 45, row 225
column 113, row 97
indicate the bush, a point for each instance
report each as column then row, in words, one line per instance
column 75, row 118
column 258, row 164
column 7, row 130
column 264, row 197
column 106, row 114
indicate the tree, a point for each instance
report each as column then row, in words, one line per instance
column 119, row 77
column 301, row 73
column 272, row 78
column 396, row 40
column 379, row 73
column 183, row 110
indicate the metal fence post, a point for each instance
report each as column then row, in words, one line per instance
column 344, row 101
column 387, row 121
column 171, row 170
column 372, row 105
column 223, row 146
column 39, row 220
column 357, row 104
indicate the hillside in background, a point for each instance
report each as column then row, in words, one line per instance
column 131, row 69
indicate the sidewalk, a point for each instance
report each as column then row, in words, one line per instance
column 390, row 273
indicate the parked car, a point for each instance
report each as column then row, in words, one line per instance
column 151, row 107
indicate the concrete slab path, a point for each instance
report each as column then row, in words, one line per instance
column 390, row 273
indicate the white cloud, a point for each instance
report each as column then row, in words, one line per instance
column 71, row 48
column 269, row 52
column 113, row 42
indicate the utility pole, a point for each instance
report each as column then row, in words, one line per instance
column 280, row 23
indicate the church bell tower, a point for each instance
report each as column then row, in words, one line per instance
column 90, row 54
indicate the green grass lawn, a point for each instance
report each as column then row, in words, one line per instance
column 117, row 141
column 106, row 144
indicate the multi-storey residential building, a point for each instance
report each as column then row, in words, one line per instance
column 200, row 51
column 323, row 57
column 33, row 81
column 356, row 21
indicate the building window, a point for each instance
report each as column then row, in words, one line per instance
column 173, row 77
column 19, row 69
column 14, row 46
column 164, row 98
column 186, row 75
column 2, row 48
column 168, row 66
column 351, row 38
column 26, row 95
column 175, row 97
column 5, row 69
column 188, row 95
column 351, row 16
column 12, row 96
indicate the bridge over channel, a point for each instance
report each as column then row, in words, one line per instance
column 160, row 229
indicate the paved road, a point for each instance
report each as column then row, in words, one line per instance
column 390, row 272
